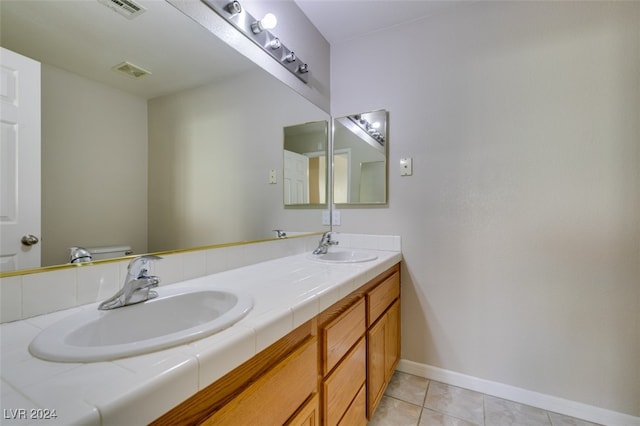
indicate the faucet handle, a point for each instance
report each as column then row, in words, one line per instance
column 139, row 266
column 280, row 233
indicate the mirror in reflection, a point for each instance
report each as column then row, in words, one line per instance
column 305, row 164
column 360, row 149
column 176, row 159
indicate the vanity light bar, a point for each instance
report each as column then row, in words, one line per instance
column 235, row 14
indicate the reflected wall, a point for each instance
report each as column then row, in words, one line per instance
column 214, row 147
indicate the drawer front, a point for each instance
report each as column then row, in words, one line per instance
column 342, row 386
column 277, row 394
column 356, row 414
column 379, row 299
column 341, row 334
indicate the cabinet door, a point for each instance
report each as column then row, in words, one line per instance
column 392, row 340
column 376, row 363
column 383, row 354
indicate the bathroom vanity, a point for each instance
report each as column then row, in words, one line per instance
column 318, row 347
column 331, row 370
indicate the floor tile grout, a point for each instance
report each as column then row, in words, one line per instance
column 456, row 405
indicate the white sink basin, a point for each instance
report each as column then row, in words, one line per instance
column 176, row 316
column 344, row 256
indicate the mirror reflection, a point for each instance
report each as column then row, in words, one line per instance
column 360, row 158
column 178, row 158
column 305, row 164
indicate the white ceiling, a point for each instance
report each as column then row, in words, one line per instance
column 87, row 38
column 339, row 20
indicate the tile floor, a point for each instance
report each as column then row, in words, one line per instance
column 416, row 401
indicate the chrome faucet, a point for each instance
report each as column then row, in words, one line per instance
column 325, row 243
column 137, row 286
column 79, row 255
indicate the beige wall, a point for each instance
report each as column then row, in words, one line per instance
column 521, row 223
column 94, row 166
column 213, row 147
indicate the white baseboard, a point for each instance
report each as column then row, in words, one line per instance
column 523, row 396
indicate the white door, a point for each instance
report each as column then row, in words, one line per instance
column 19, row 161
column 372, row 182
column 342, row 177
column 296, row 178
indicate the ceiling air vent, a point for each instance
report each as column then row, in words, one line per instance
column 126, row 8
column 131, row 70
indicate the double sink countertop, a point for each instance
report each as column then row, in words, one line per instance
column 287, row 292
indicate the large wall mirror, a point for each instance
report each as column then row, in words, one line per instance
column 178, row 158
column 360, row 147
column 305, row 165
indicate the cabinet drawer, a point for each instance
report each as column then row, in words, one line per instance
column 356, row 414
column 342, row 385
column 341, row 334
column 277, row 394
column 381, row 297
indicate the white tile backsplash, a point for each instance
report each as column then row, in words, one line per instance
column 215, row 260
column 368, row 242
column 97, row 282
column 29, row 295
column 194, row 264
column 48, row 292
column 11, row 299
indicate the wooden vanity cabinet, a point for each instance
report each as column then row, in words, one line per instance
column 359, row 350
column 332, row 370
column 276, row 395
column 383, row 338
column 273, row 387
column 308, row 414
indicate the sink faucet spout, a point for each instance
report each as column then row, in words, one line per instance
column 137, row 286
column 325, row 243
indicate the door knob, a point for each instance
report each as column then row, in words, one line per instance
column 29, row 240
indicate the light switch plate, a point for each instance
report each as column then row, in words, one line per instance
column 406, row 166
column 272, row 176
column 335, row 217
column 326, row 219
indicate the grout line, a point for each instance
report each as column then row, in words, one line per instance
column 484, row 410
column 424, row 401
column 484, row 405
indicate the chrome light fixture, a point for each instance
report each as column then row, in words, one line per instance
column 233, row 7
column 257, row 30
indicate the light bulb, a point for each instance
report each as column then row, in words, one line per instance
column 268, row 22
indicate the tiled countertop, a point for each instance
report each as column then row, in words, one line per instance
column 287, row 292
